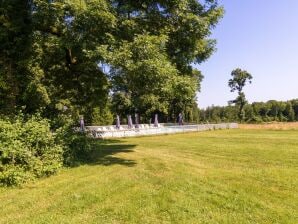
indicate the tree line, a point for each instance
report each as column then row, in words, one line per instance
column 239, row 110
column 257, row 112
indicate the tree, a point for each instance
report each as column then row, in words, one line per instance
column 48, row 57
column 179, row 31
column 67, row 35
column 239, row 79
column 142, row 74
column 289, row 112
column 53, row 54
column 295, row 108
column 15, row 44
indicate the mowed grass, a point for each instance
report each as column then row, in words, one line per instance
column 225, row 176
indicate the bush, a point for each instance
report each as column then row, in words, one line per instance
column 77, row 146
column 28, row 150
column 255, row 120
column 102, row 116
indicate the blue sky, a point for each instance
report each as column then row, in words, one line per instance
column 260, row 36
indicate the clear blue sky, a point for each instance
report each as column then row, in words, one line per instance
column 260, row 36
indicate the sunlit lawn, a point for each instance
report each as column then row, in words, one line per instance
column 230, row 176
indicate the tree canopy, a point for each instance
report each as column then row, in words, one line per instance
column 71, row 57
column 239, row 79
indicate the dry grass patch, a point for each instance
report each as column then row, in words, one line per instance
column 273, row 126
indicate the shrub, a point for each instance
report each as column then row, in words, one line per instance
column 255, row 120
column 77, row 146
column 28, row 150
column 102, row 116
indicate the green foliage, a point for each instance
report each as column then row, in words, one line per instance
column 237, row 83
column 67, row 58
column 295, row 108
column 28, row 150
column 15, row 43
column 239, row 80
column 256, row 112
column 151, row 45
column 143, row 75
column 289, row 112
column 77, row 146
column 166, row 38
column 102, row 116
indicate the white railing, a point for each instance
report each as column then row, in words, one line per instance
column 124, row 131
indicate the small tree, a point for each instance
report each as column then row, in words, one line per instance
column 289, row 112
column 237, row 83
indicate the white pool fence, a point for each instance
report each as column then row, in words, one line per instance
column 145, row 129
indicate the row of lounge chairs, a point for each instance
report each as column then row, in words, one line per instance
column 125, row 127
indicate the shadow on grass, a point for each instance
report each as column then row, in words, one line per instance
column 103, row 152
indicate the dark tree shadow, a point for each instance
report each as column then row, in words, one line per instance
column 105, row 151
column 101, row 152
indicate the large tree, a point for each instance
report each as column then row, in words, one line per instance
column 54, row 54
column 182, row 29
column 62, row 71
column 68, row 34
column 15, row 45
column 238, row 81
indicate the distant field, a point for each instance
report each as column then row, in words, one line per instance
column 224, row 176
column 274, row 126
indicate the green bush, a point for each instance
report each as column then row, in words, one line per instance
column 255, row 120
column 28, row 150
column 102, row 116
column 77, row 146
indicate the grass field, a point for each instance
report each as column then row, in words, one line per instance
column 225, row 176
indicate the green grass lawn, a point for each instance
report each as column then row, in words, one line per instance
column 226, row 176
